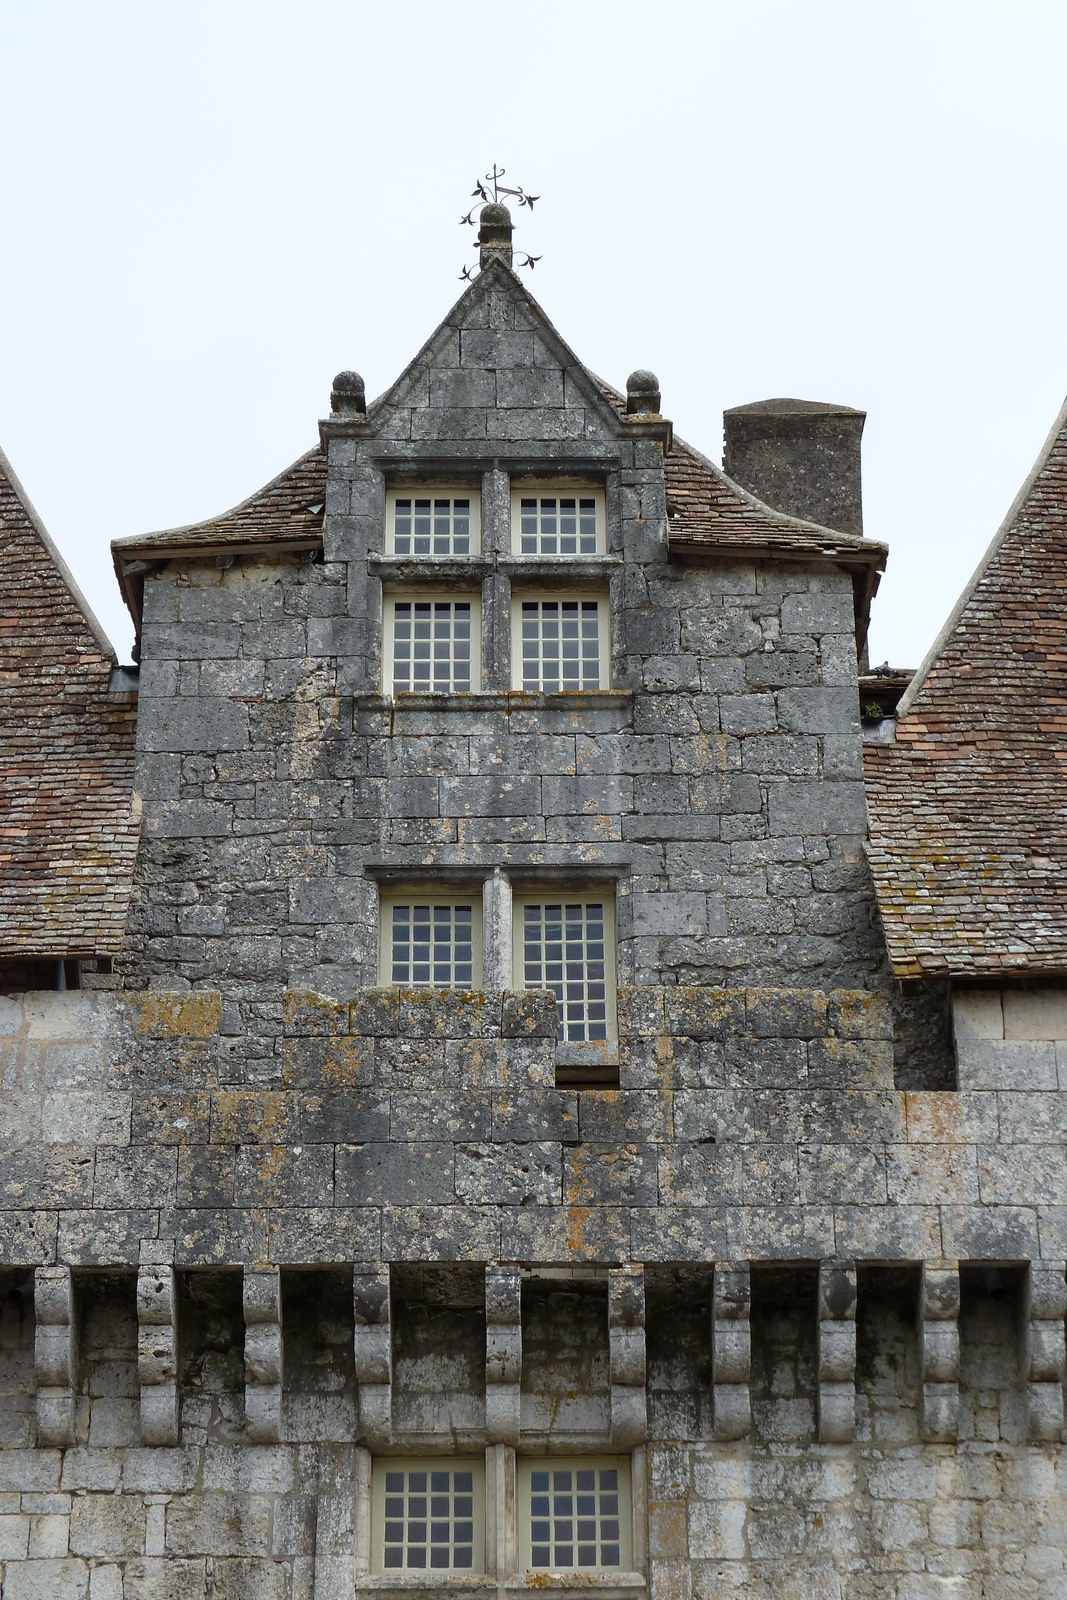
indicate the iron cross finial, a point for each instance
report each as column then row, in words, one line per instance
column 488, row 191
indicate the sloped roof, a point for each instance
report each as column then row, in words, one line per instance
column 68, row 835
column 286, row 515
column 706, row 509
column 968, row 809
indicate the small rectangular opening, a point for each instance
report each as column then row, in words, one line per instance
column 784, row 1303
column 107, row 1309
column 211, row 1344
column 992, row 1395
column 887, row 1354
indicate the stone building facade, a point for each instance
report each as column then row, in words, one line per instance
column 524, row 1067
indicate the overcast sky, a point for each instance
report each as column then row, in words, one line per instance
column 209, row 209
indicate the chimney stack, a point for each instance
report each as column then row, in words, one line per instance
column 494, row 235
column 799, row 456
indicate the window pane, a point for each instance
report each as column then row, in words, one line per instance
column 563, row 950
column 558, row 525
column 445, row 1540
column 432, row 526
column 432, row 946
column 432, row 646
column 560, row 644
column 584, row 1527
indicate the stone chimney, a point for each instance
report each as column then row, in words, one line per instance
column 799, row 456
column 494, row 235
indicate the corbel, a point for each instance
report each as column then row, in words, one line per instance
column 626, row 1348
column 731, row 1349
column 157, row 1353
column 1043, row 1348
column 503, row 1352
column 55, row 1354
column 939, row 1350
column 373, row 1347
column 837, row 1352
column 262, row 1297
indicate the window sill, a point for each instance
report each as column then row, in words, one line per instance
column 449, row 571
column 494, row 700
column 609, row 1584
column 559, row 569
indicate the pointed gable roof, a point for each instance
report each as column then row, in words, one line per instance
column 968, row 809
column 68, row 833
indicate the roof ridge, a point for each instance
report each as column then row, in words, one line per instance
column 992, row 550
column 52, row 550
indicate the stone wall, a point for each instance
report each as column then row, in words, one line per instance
column 717, row 783
column 947, row 1479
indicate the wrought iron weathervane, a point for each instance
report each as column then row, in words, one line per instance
column 481, row 192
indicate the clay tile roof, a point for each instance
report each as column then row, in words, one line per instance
column 286, row 514
column 68, row 832
column 968, row 809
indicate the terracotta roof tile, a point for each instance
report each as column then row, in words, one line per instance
column 68, row 834
column 968, row 809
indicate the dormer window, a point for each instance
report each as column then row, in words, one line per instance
column 557, row 521
column 432, row 522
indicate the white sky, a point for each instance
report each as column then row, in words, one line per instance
column 209, row 209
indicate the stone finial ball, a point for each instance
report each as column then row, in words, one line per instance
column 349, row 392
column 642, row 393
column 495, row 215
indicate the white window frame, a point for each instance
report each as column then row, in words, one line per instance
column 475, row 1465
column 584, row 897
column 411, row 897
column 526, row 1466
column 392, row 599
column 558, row 490
column 433, row 491
column 521, row 596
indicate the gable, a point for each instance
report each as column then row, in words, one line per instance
column 495, row 370
column 969, row 806
column 66, row 751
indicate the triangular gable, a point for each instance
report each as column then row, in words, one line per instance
column 969, row 805
column 501, row 318
column 20, row 522
column 69, row 837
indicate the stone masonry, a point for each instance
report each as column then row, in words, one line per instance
column 786, row 1249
